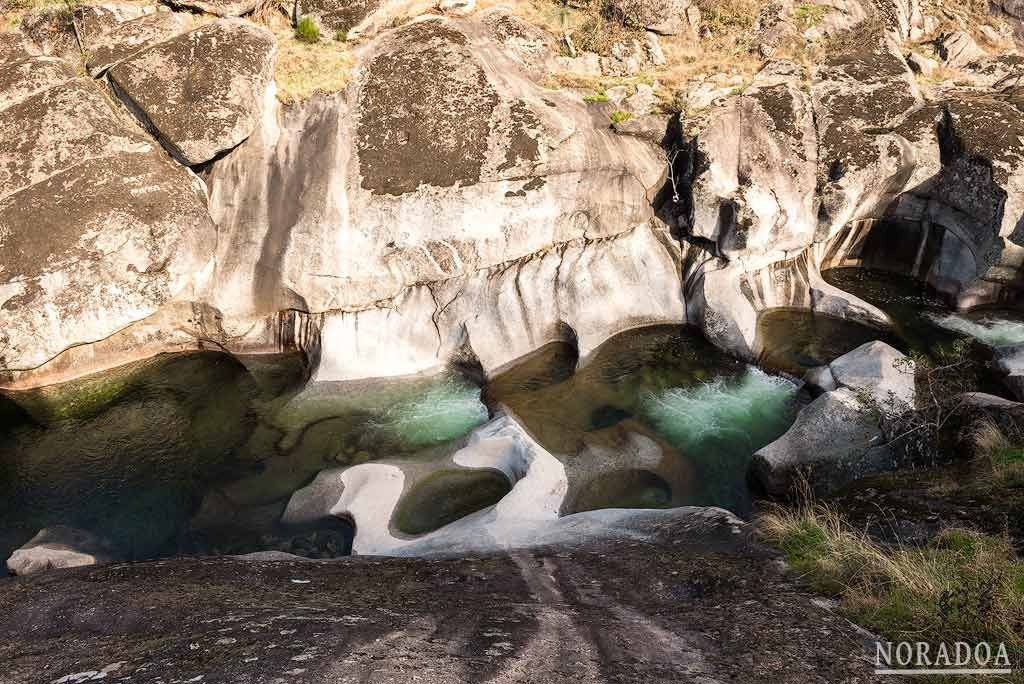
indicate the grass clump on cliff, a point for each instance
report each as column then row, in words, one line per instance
column 808, row 15
column 961, row 586
column 620, row 117
column 727, row 16
column 307, row 31
column 304, row 69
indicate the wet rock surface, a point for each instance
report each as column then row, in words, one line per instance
column 679, row 606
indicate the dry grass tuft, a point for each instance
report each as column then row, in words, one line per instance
column 305, row 69
column 961, row 586
column 1003, row 455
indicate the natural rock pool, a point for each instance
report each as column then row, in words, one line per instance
column 796, row 340
column 200, row 453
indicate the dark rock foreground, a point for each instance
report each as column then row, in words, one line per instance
column 686, row 605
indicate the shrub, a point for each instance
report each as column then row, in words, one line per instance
column 341, row 36
column 620, row 117
column 307, row 31
column 809, row 15
column 963, row 585
column 723, row 16
column 597, row 97
column 1005, row 455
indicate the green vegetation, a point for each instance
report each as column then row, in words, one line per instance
column 963, row 585
column 728, row 15
column 341, row 36
column 594, row 25
column 808, row 15
column 600, row 96
column 305, row 68
column 620, row 117
column 307, row 31
column 1003, row 455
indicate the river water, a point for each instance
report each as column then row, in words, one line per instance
column 199, row 453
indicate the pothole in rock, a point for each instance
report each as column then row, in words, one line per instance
column 447, row 495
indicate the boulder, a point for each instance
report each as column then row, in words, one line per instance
column 667, row 17
column 201, row 92
column 1008, row 415
column 220, row 8
column 59, row 547
column 641, row 102
column 926, row 66
column 333, row 16
column 15, row 46
column 650, row 127
column 629, row 57
column 820, row 380
column 98, row 228
column 959, row 49
column 879, row 370
column 105, row 49
column 834, row 441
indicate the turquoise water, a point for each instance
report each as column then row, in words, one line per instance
column 199, row 453
column 709, row 413
column 719, row 424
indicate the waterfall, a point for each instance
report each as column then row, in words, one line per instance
column 992, row 329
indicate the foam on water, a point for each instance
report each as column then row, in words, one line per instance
column 447, row 409
column 991, row 330
column 738, row 409
column 719, row 425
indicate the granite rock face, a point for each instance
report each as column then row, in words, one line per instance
column 449, row 199
column 202, row 92
column 107, row 46
column 839, row 437
column 59, row 547
column 595, row 612
column 834, row 441
column 859, row 172
column 97, row 227
column 438, row 206
column 220, row 8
